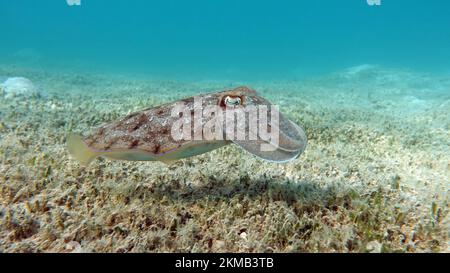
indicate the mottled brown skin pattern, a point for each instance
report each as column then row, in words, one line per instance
column 150, row 130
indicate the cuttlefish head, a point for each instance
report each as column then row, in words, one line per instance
column 268, row 133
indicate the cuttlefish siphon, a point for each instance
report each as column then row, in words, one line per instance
column 194, row 126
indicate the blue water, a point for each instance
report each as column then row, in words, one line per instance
column 234, row 39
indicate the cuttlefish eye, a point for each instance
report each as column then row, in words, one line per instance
column 232, row 101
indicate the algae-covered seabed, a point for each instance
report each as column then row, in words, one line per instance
column 375, row 176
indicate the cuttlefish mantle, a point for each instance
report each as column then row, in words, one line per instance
column 194, row 126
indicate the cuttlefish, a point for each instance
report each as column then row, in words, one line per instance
column 182, row 129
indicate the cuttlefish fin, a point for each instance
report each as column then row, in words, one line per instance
column 275, row 155
column 168, row 162
column 80, row 150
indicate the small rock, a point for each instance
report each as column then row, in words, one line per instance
column 74, row 247
column 374, row 247
column 18, row 87
column 218, row 244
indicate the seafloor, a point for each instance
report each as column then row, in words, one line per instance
column 375, row 176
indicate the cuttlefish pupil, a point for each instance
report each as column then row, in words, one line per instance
column 232, row 101
column 147, row 135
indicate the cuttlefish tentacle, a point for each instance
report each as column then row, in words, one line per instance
column 147, row 135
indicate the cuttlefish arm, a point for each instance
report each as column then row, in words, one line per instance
column 148, row 135
column 279, row 153
column 289, row 143
column 85, row 154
